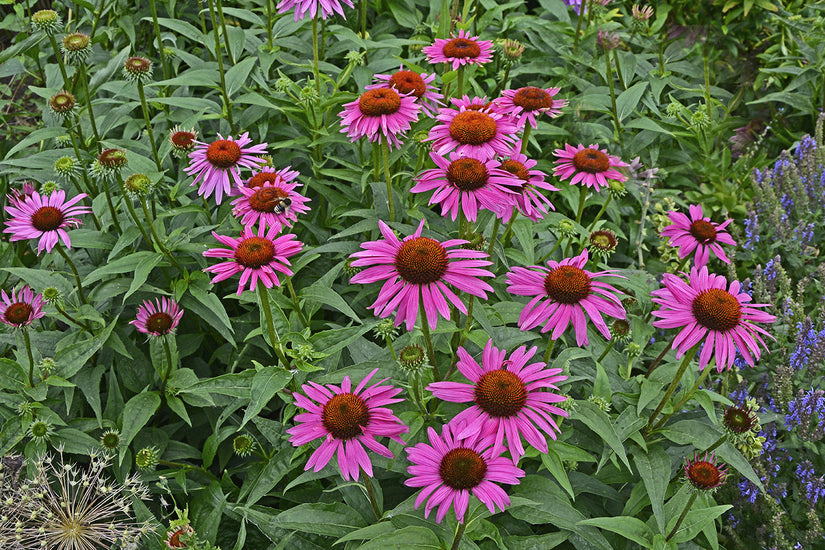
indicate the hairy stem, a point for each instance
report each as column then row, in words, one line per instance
column 69, row 261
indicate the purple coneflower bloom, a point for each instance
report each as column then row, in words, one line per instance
column 158, row 318
column 698, row 233
column 508, row 398
column 44, row 217
column 21, row 307
column 460, row 50
column 273, row 205
column 475, row 131
column 419, row 269
column 348, row 420
column 529, row 201
column 380, row 112
column 589, row 166
column 410, row 82
column 313, row 7
column 217, row 165
column 525, row 103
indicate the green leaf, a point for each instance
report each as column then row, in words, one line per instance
column 536, row 542
column 267, row 382
column 207, row 306
column 127, row 264
column 234, row 385
column 73, row 357
column 411, row 537
column 629, row 99
column 696, row 521
column 142, row 271
column 326, row 296
column 598, row 421
column 237, row 75
column 178, row 407
column 654, row 469
column 334, row 520
column 735, row 459
column 630, row 528
column 139, row 409
column 554, row 465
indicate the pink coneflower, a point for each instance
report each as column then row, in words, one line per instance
column 21, row 307
column 256, row 257
column 525, row 103
column 268, row 175
column 174, row 536
column 588, row 165
column 467, row 103
column 563, row 294
column 470, row 183
column 479, row 133
column 19, row 195
column 460, row 50
column 698, row 233
column 348, row 420
column 451, row 467
column 45, row 218
column 379, row 112
column 508, row 398
column 723, row 319
column 275, row 205
column 216, row 165
column 705, row 473
column 530, row 202
column 420, row 267
column 159, row 318
column 410, row 82
column 311, row 8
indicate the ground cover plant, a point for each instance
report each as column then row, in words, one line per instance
column 411, row 274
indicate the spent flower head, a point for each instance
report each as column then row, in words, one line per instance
column 108, row 164
column 705, row 473
column 182, row 140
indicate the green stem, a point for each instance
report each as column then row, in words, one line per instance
column 707, row 79
column 29, row 354
column 425, row 328
column 169, row 366
column 683, row 515
column 388, row 340
column 618, row 69
column 546, row 256
column 525, row 139
column 145, row 108
column 599, row 215
column 60, row 63
column 219, row 57
column 295, row 303
column 316, row 73
column 84, row 80
column 81, row 324
column 270, row 325
column 671, row 388
column 716, row 445
column 549, row 351
column 269, row 23
column 112, row 209
column 685, row 398
column 156, row 27
column 385, row 156
column 157, row 239
column 578, row 27
column 371, row 495
column 505, row 78
column 606, row 350
column 225, row 34
column 131, row 209
column 496, row 225
column 363, row 16
column 609, row 77
column 91, row 189
column 508, row 230
column 69, row 261
column 98, row 15
column 582, row 197
column 460, row 79
column 458, row 534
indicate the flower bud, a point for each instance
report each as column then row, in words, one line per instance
column 412, row 358
column 243, row 445
column 47, row 21
column 62, row 104
column 76, row 47
column 137, row 69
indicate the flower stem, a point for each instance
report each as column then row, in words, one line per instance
column 156, row 27
column 606, row 350
column 671, row 388
column 460, row 79
column 599, row 215
column 157, row 239
column 525, row 139
column 296, row 304
column 145, row 108
column 131, row 209
column 549, row 351
column 425, row 328
column 686, row 397
column 388, row 340
column 84, row 81
column 609, row 77
column 582, row 197
column 578, row 27
column 385, row 156
column 716, row 444
column 546, row 256
column 169, row 367
column 371, row 495
column 29, row 354
column 225, row 34
column 683, row 515
column 59, row 56
column 270, row 325
column 98, row 15
column 316, row 73
column 269, row 23
column 458, row 534
column 81, row 324
column 658, row 359
column 496, row 225
column 69, row 261
column 219, row 56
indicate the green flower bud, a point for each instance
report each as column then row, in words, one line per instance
column 243, row 445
